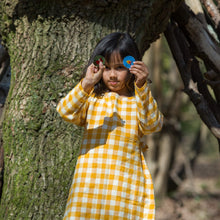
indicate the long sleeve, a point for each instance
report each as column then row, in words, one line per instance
column 149, row 116
column 73, row 107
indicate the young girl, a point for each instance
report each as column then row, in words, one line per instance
column 116, row 108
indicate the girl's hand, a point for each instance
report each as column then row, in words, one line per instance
column 139, row 69
column 93, row 75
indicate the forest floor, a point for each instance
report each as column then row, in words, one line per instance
column 196, row 199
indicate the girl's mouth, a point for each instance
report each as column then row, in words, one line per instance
column 113, row 83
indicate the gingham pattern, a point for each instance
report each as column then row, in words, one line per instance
column 111, row 179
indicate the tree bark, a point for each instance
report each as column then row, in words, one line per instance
column 49, row 43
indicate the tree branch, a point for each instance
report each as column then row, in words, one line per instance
column 185, row 62
column 205, row 45
column 213, row 13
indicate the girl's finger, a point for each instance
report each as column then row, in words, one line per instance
column 101, row 65
column 95, row 69
column 136, row 73
column 140, row 64
column 101, row 69
column 138, row 69
column 139, row 75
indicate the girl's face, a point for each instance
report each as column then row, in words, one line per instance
column 115, row 75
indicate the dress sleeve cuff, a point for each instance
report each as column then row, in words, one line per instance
column 141, row 90
column 83, row 91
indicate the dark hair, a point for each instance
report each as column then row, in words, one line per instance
column 121, row 43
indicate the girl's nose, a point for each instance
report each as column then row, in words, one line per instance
column 112, row 73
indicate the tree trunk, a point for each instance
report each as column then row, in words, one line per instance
column 49, row 43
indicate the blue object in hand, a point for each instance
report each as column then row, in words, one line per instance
column 128, row 61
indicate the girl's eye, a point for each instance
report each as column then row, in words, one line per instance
column 120, row 67
column 107, row 68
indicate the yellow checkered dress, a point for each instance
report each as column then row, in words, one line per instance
column 111, row 179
